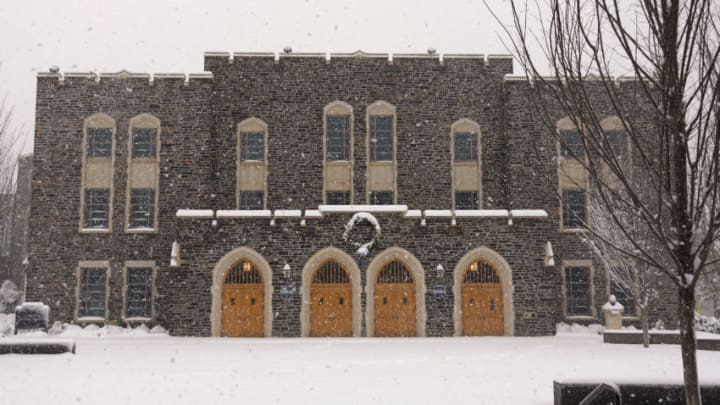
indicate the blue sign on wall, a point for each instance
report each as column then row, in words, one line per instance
column 286, row 292
column 440, row 291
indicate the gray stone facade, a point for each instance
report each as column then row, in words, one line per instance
column 198, row 165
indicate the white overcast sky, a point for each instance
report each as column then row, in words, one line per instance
column 171, row 36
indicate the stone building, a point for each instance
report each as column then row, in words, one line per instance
column 309, row 195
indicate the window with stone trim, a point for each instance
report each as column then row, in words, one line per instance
column 99, row 142
column 251, row 200
column 97, row 208
column 142, row 208
column 138, row 298
column 144, row 143
column 466, row 147
column 337, row 197
column 466, row 200
column 252, row 146
column 93, row 283
column 381, row 137
column 574, row 212
column 578, row 291
column 338, row 137
column 381, row 198
column 571, row 144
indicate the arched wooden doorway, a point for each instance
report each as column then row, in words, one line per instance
column 331, row 302
column 395, row 301
column 482, row 301
column 243, row 301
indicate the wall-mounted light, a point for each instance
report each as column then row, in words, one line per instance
column 440, row 271
column 423, row 222
column 453, row 222
column 272, row 222
column 247, row 266
column 474, row 267
column 286, row 271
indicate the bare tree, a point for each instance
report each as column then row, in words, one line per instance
column 9, row 138
column 670, row 49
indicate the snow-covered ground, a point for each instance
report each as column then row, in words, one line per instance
column 142, row 368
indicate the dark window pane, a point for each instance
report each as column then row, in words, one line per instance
column 338, row 137
column 142, row 208
column 571, row 145
column 466, row 200
column 466, row 147
column 99, row 142
column 577, row 284
column 573, row 208
column 618, row 143
column 624, row 296
column 92, row 292
column 252, row 146
column 97, row 208
column 381, row 137
column 337, row 197
column 381, row 198
column 251, row 200
column 144, row 143
column 139, row 293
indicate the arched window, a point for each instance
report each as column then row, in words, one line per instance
column 572, row 176
column 338, row 153
column 466, row 164
column 252, row 164
column 97, row 173
column 143, row 173
column 382, row 154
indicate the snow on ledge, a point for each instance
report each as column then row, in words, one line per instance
column 362, row 208
column 287, row 213
column 413, row 214
column 438, row 213
column 313, row 214
column 529, row 213
column 244, row 213
column 194, row 214
column 481, row 213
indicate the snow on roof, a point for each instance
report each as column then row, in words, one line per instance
column 481, row 213
column 313, row 214
column 287, row 213
column 362, row 208
column 194, row 213
column 529, row 213
column 244, row 213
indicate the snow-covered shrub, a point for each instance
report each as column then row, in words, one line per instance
column 7, row 324
column 707, row 324
column 10, row 297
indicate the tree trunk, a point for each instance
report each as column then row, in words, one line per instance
column 644, row 321
column 688, row 346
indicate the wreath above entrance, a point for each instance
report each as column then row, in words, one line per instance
column 363, row 248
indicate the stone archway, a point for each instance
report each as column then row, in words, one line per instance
column 219, row 271
column 346, row 261
column 418, row 274
column 504, row 272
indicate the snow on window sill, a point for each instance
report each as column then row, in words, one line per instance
column 413, row 214
column 141, row 230
column 137, row 319
column 573, row 230
column 529, row 213
column 313, row 214
column 580, row 318
column 480, row 213
column 287, row 213
column 95, row 230
column 91, row 319
column 438, row 213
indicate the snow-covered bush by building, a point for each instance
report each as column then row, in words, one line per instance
column 707, row 324
column 10, row 297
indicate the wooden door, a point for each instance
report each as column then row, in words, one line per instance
column 243, row 302
column 482, row 303
column 395, row 306
column 331, row 301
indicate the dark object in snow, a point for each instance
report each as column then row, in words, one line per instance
column 664, row 338
column 31, row 316
column 37, row 346
column 573, row 393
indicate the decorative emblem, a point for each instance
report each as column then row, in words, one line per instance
column 363, row 248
